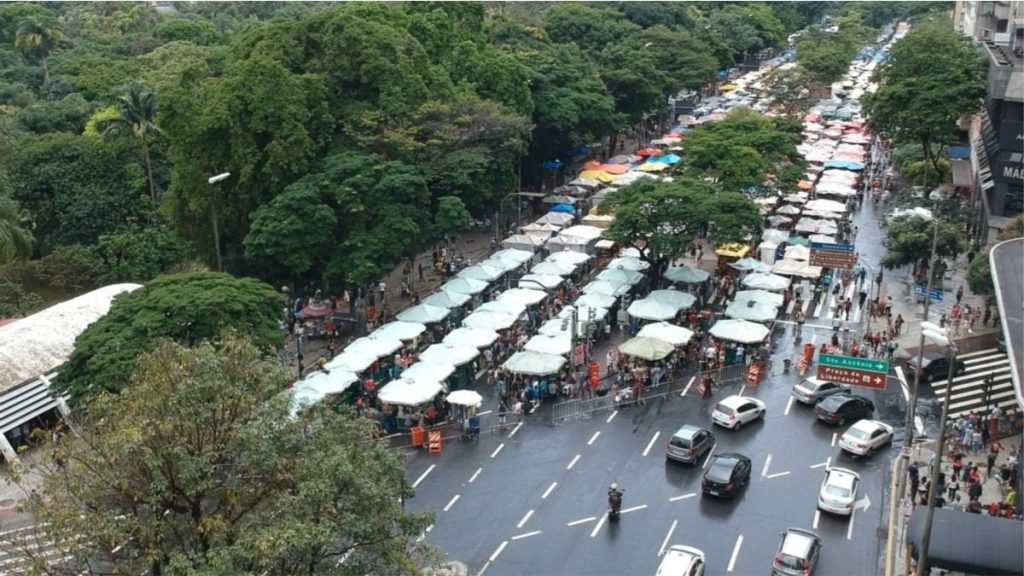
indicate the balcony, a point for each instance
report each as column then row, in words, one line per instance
column 1006, row 74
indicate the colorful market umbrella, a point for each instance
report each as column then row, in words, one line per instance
column 646, row 348
column 649, row 151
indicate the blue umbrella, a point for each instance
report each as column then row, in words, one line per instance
column 553, row 164
column 845, row 165
column 562, row 208
column 665, row 159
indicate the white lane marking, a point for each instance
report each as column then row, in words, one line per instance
column 451, row 502
column 573, row 463
column 849, row 531
column 527, row 535
column 593, row 533
column 593, row 438
column 525, row 518
column 612, row 417
column 481, row 572
column 475, row 474
column 514, row 430
column 735, row 552
column 776, row 475
column 834, row 436
column 498, row 449
column 707, row 458
column 683, row 497
column 742, row 389
column 903, row 383
column 651, row 443
column 817, row 516
column 633, row 509
column 548, row 491
column 788, row 406
column 668, row 536
column 484, row 413
column 498, row 551
column 424, row 533
column 826, row 463
column 688, row 384
column 424, row 475
column 582, row 521
column 767, row 463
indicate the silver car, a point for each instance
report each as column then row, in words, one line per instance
column 811, row 390
column 689, row 444
column 838, row 493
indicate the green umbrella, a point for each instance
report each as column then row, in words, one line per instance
column 798, row 241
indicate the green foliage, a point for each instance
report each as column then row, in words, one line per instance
column 72, row 269
column 673, row 15
column 788, row 89
column 591, row 27
column 15, row 301
column 878, row 14
column 933, row 77
column 139, row 255
column 979, row 272
column 96, row 76
column 75, row 187
column 13, row 14
column 187, row 308
column 200, row 32
column 15, row 236
column 202, row 446
column 69, row 114
column 825, row 56
column 909, row 241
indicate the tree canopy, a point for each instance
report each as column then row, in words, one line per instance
column 198, row 467
column 187, row 308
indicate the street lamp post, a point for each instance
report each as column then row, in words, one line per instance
column 213, row 216
column 926, row 534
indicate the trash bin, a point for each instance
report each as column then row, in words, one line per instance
column 417, row 435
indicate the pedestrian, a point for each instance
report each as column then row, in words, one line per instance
column 974, row 491
column 421, row 272
column 331, row 348
column 914, row 476
column 298, row 361
column 993, row 453
column 383, row 289
column 959, row 294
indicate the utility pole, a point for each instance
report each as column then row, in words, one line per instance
column 213, row 216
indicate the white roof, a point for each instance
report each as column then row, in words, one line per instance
column 33, row 346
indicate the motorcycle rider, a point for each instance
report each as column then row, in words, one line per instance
column 614, row 499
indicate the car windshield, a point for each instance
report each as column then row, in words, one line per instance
column 792, row 561
column 856, row 434
column 839, row 491
column 680, row 442
column 720, row 471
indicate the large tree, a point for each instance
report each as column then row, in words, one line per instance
column 934, row 77
column 15, row 238
column 36, row 38
column 136, row 116
column 199, row 467
column 662, row 219
column 188, row 308
column 909, row 242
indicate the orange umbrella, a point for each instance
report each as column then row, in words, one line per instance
column 614, row 168
column 648, row 152
column 804, row 185
column 592, row 165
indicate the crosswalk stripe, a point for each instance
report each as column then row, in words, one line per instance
column 968, row 390
column 990, row 351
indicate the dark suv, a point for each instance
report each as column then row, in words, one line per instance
column 935, row 366
column 844, row 407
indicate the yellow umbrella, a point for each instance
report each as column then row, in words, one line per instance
column 728, row 87
column 734, row 249
column 598, row 175
column 652, row 167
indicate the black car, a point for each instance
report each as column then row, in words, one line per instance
column 935, row 367
column 728, row 472
column 844, row 407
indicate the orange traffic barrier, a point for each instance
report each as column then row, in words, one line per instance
column 434, row 441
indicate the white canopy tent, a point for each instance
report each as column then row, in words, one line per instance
column 628, row 263
column 475, row 337
column 556, row 218
column 489, row 320
column 798, row 252
column 790, row 267
column 449, row 354
column 399, row 330
column 742, row 331
column 482, row 271
column 548, row 281
column 680, row 300
column 674, row 335
column 523, row 242
column 408, row 392
column 446, row 299
column 646, row 348
column 570, row 257
column 424, row 314
column 429, row 371
column 556, row 343
column 553, row 268
column 534, row 363
column 373, row 346
column 587, row 233
column 606, row 288
column 465, row 398
column 620, row 276
column 351, row 362
column 762, row 296
column 652, row 310
column 595, row 300
column 464, row 286
column 316, row 386
column 765, row 281
column 686, row 274
column 512, row 255
column 524, row 296
column 752, row 310
column 513, row 308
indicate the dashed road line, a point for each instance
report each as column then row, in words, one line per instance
column 514, row 430
column 593, row 438
column 548, row 491
column 688, row 384
column 742, row 389
column 498, row 551
column 497, row 450
column 767, row 463
column 651, row 443
column 525, row 519
column 526, row 535
column 612, row 417
column 451, row 502
column 849, row 530
column 633, row 509
column 835, row 435
column 682, row 497
column 735, row 553
column 593, row 533
column 423, row 534
column 788, row 406
column 475, row 474
column 573, row 463
column 817, row 516
column 424, row 475
column 483, row 569
column 707, row 458
column 777, row 474
column 582, row 521
column 668, row 537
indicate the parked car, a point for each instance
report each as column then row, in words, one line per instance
column 798, row 553
column 838, row 492
column 811, row 390
column 727, row 473
column 842, row 408
column 866, row 437
column 935, row 366
column 735, row 411
column 681, row 560
column 689, row 444
column 1001, row 344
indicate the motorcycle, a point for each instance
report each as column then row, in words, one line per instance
column 614, row 502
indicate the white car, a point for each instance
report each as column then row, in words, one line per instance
column 839, row 491
column 866, row 437
column 681, row 560
column 735, row 411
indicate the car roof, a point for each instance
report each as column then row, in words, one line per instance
column 735, row 400
column 798, row 542
column 734, row 456
column 841, row 477
column 678, row 558
column 687, row 431
column 867, row 425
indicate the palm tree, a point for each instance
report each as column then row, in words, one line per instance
column 36, row 39
column 15, row 240
column 136, row 108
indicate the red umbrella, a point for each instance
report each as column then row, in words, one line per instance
column 614, row 168
column 592, row 165
column 648, row 152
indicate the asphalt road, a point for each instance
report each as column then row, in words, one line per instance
column 532, row 500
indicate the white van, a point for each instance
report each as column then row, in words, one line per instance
column 681, row 560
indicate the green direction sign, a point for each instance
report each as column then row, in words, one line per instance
column 866, row 364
